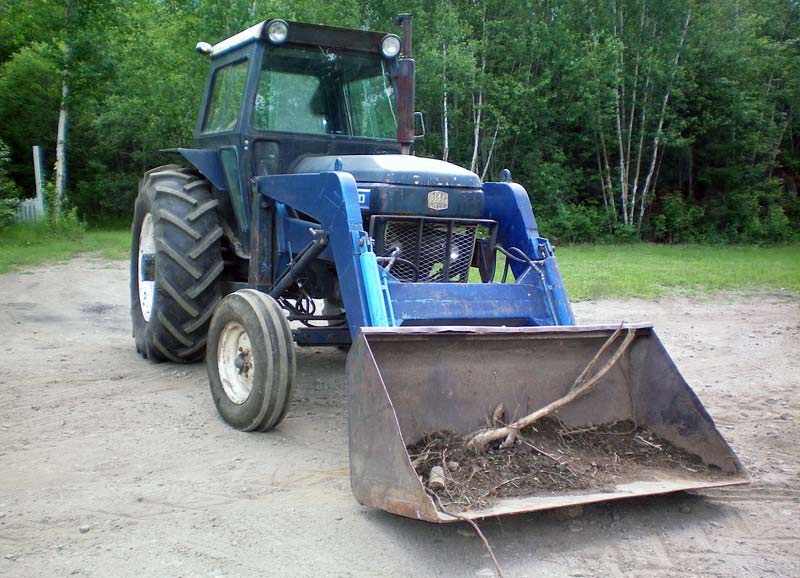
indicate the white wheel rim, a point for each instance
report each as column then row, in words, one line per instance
column 235, row 363
column 147, row 250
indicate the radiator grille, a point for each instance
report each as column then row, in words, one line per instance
column 426, row 256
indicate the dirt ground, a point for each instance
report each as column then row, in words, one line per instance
column 113, row 466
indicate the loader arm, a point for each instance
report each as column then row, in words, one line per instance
column 332, row 199
column 375, row 298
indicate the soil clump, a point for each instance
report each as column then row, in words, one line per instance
column 549, row 459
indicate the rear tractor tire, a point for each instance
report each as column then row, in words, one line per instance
column 175, row 265
column 250, row 361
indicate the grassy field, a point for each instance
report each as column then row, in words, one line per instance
column 645, row 270
column 590, row 271
column 30, row 244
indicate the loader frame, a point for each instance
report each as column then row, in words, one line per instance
column 374, row 298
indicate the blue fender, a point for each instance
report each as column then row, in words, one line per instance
column 209, row 165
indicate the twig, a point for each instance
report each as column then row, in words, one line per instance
column 539, row 450
column 651, row 444
column 474, row 527
column 500, row 485
column 580, row 387
column 572, row 432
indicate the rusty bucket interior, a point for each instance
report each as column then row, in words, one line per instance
column 407, row 382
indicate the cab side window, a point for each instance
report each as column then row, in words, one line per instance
column 226, row 98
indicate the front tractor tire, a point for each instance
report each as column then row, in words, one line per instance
column 250, row 361
column 175, row 264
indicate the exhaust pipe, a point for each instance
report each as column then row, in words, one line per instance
column 406, row 88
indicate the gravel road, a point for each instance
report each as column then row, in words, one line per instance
column 114, row 466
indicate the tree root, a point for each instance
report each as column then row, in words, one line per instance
column 582, row 385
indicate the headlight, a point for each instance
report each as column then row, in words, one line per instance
column 277, row 31
column 453, row 254
column 390, row 46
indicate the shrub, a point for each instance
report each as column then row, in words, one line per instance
column 776, row 225
column 8, row 208
column 579, row 224
column 678, row 221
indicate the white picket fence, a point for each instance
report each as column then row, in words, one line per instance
column 33, row 209
column 29, row 210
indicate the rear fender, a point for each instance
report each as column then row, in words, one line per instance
column 208, row 163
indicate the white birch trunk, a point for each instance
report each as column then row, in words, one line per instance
column 476, row 137
column 632, row 115
column 445, row 129
column 61, row 150
column 610, row 182
column 639, row 152
column 600, row 174
column 657, row 136
column 491, row 152
column 445, row 120
column 618, row 106
column 623, row 185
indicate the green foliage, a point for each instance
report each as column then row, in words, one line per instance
column 29, row 95
column 578, row 224
column 67, row 226
column 9, row 191
column 677, row 222
column 551, row 78
column 8, row 208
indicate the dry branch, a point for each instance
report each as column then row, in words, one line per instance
column 474, row 527
column 582, row 385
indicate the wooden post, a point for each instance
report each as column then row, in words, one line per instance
column 38, row 173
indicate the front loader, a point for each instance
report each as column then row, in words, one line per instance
column 302, row 217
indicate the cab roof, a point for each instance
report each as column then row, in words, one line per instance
column 306, row 34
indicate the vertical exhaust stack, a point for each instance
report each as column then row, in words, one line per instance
column 406, row 67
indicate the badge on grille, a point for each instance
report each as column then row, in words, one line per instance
column 437, row 200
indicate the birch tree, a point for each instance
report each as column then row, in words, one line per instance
column 648, row 40
column 63, row 118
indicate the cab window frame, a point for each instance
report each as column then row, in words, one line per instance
column 244, row 64
column 344, row 111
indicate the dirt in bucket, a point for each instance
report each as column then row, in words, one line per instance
column 546, row 460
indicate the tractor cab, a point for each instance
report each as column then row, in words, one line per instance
column 281, row 91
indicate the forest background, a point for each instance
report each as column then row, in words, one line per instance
column 668, row 121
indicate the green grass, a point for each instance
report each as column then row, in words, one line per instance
column 35, row 243
column 645, row 270
column 589, row 271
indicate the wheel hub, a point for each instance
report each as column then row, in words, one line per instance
column 146, row 267
column 235, row 363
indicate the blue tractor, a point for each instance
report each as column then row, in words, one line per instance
column 303, row 217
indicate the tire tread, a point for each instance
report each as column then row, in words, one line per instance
column 188, row 264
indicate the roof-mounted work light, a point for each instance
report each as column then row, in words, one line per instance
column 277, row 31
column 390, row 46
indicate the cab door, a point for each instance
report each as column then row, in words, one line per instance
column 220, row 128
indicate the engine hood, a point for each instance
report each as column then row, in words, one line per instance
column 394, row 170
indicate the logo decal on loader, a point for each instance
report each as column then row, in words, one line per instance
column 437, row 200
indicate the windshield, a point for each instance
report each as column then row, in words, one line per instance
column 318, row 91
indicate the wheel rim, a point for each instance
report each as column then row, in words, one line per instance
column 146, row 267
column 235, row 363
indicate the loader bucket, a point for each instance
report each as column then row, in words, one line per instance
column 407, row 382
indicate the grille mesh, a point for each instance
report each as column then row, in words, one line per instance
column 429, row 250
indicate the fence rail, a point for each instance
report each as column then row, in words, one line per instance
column 29, row 210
